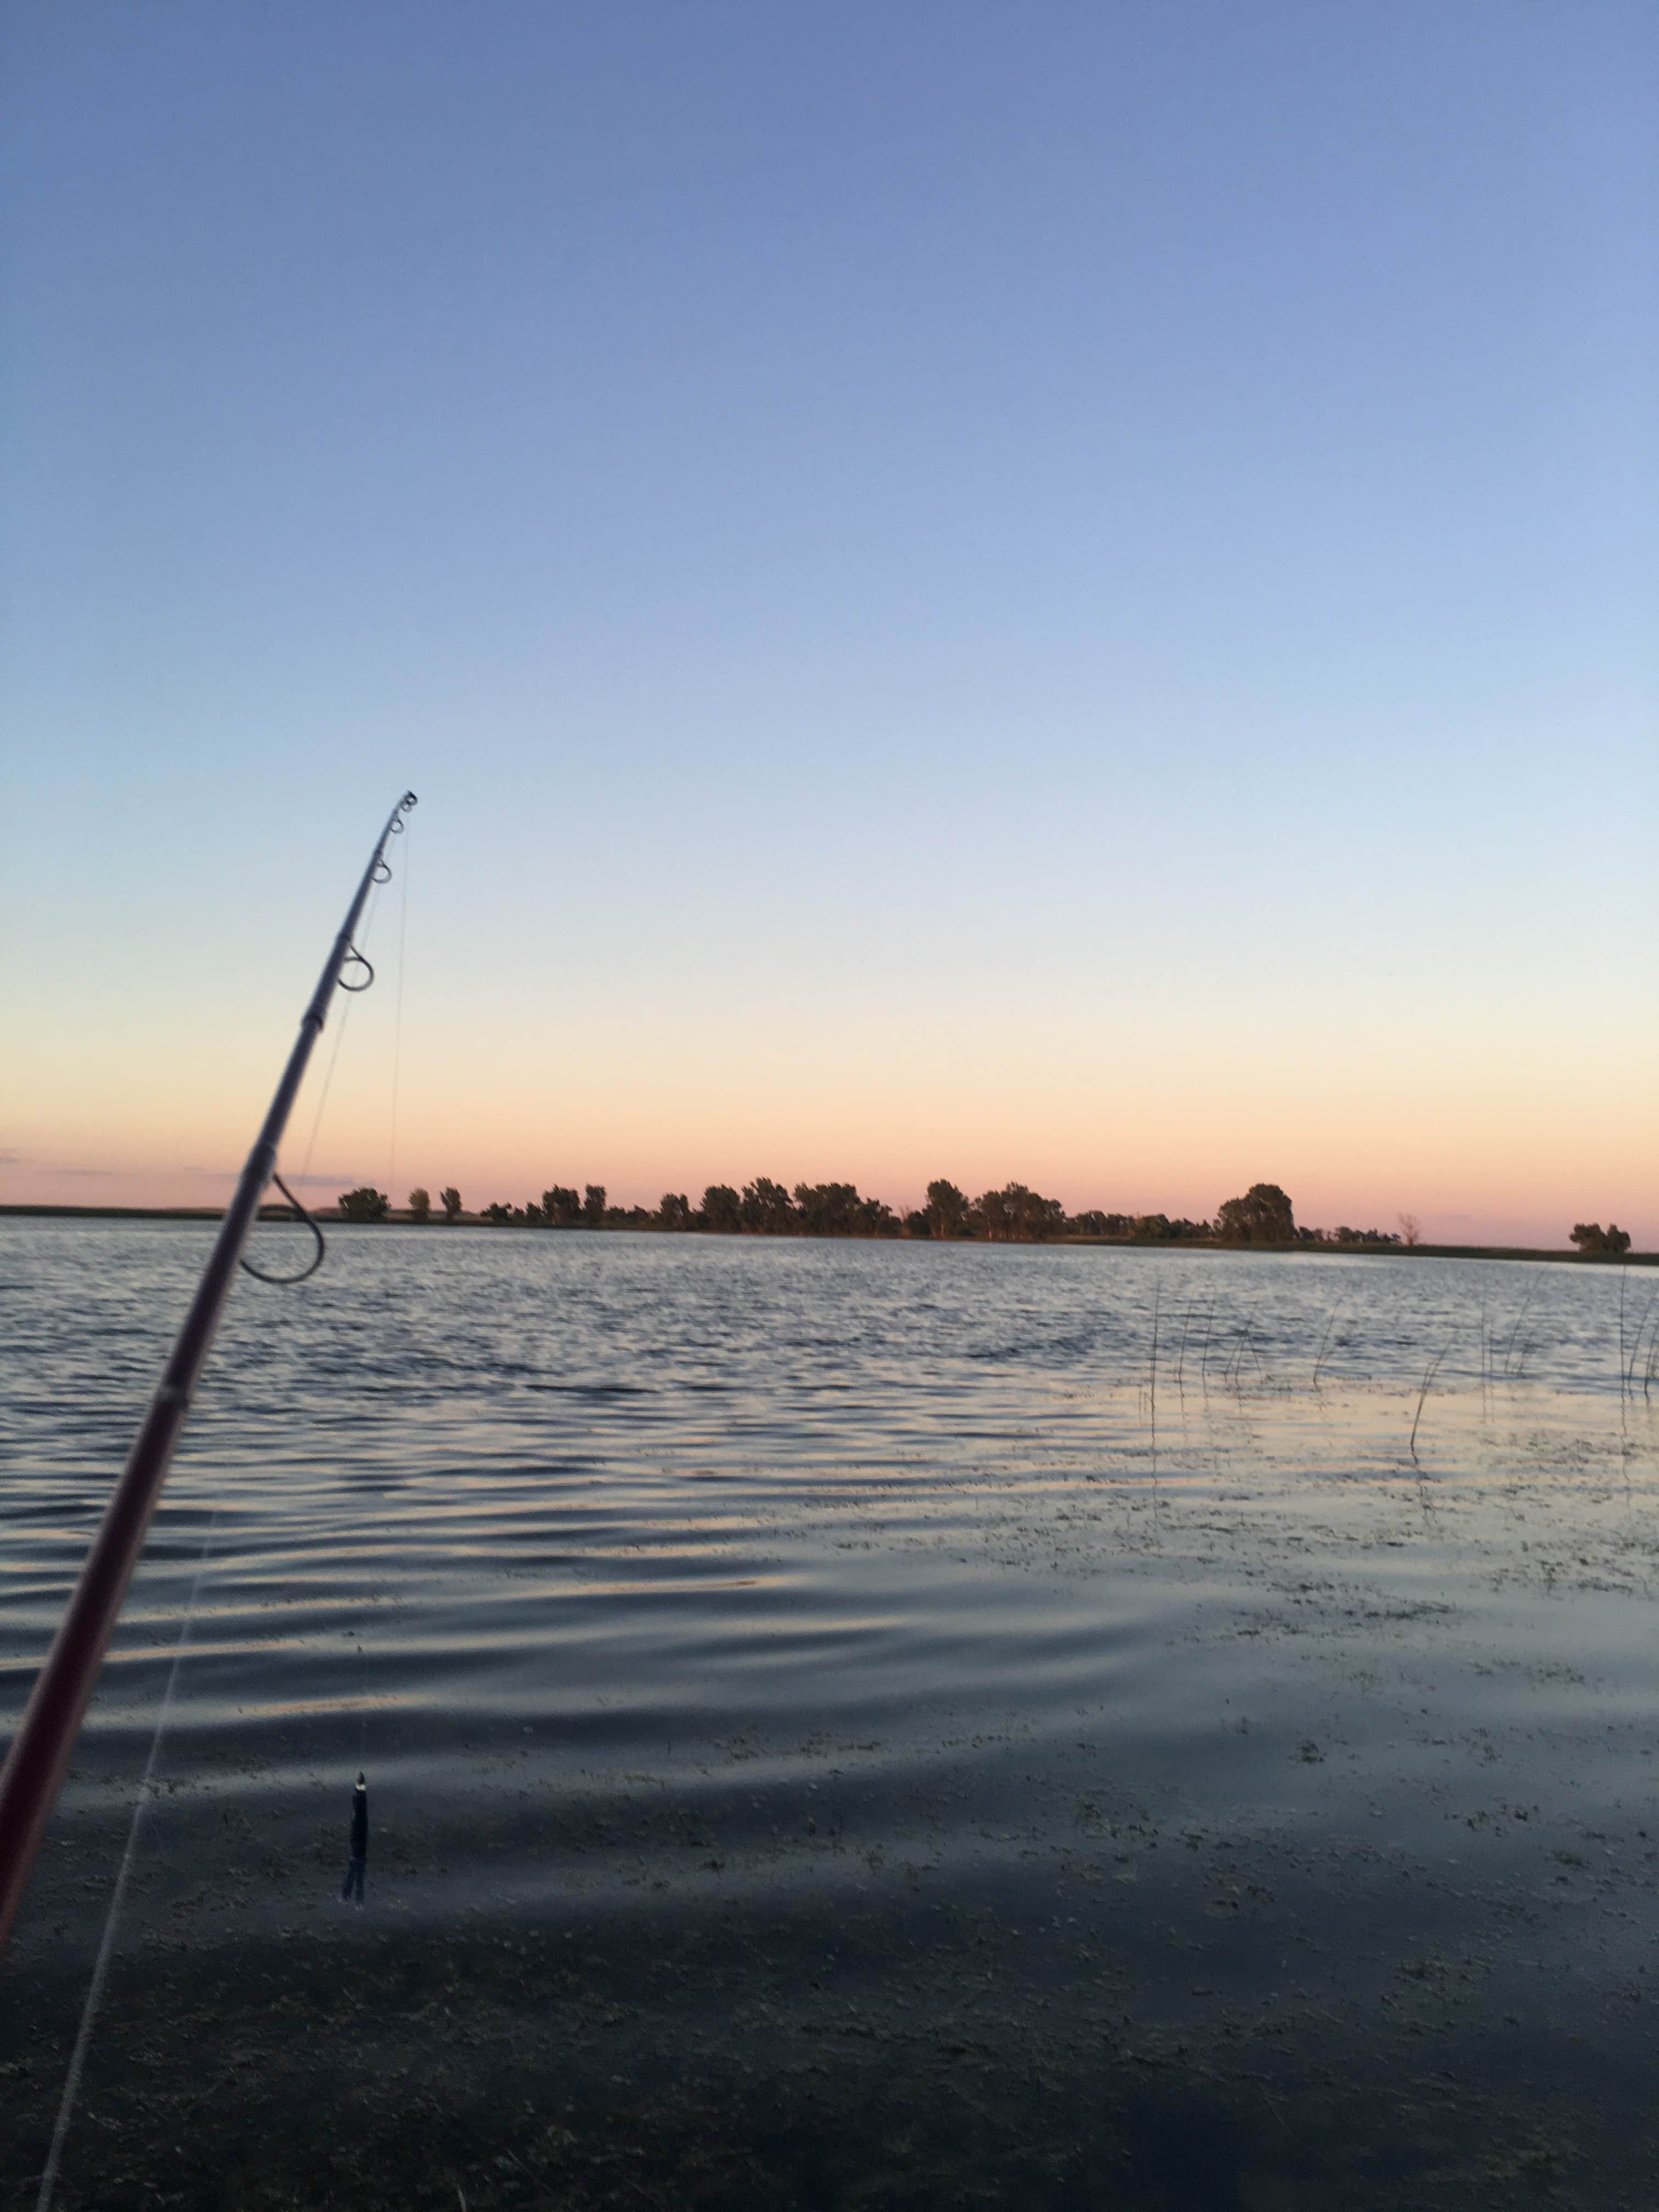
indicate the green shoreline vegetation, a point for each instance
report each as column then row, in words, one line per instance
column 1263, row 1219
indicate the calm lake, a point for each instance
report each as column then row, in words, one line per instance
column 846, row 1724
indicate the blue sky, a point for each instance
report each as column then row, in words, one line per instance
column 1061, row 592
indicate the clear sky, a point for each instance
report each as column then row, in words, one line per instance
column 1049, row 591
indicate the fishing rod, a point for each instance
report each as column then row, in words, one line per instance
column 40, row 1754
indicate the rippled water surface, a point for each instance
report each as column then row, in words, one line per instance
column 1060, row 1704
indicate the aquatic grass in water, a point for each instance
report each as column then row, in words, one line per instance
column 839, row 1731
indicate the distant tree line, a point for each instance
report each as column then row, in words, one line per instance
column 1012, row 1215
column 1015, row 1214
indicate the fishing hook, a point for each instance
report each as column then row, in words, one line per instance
column 356, row 957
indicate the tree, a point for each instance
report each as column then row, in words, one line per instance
column 919, row 1223
column 1262, row 1216
column 765, row 1208
column 722, row 1209
column 420, row 1205
column 675, row 1212
column 593, row 1205
column 1410, row 1230
column 450, row 1200
column 499, row 1213
column 1596, row 1242
column 562, row 1208
column 947, row 1209
column 1097, row 1224
column 1016, row 1215
column 364, row 1204
column 1036, row 1218
column 1153, row 1228
column 827, row 1209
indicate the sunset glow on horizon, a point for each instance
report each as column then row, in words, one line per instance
column 1166, row 1124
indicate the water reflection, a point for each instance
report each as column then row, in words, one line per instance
column 958, row 1597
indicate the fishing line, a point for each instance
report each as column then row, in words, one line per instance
column 398, row 1024
column 322, row 1096
column 339, row 1039
column 106, row 1946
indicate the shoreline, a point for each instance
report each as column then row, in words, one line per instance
column 333, row 1220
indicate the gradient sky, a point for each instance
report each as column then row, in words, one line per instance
column 1059, row 592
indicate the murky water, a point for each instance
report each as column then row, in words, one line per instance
column 851, row 1723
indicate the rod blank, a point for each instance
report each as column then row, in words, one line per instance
column 46, row 1738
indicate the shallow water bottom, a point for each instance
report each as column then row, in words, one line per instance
column 1322, row 1873
column 897, row 2054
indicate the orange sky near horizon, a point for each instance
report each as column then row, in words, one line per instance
column 1167, row 1121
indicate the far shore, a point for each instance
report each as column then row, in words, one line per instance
column 331, row 1216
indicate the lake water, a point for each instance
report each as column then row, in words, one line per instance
column 848, row 1724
